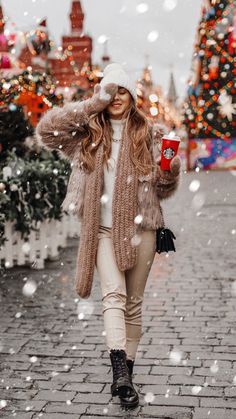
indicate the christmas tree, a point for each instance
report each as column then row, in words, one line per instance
column 23, row 99
column 210, row 109
column 32, row 181
column 14, row 129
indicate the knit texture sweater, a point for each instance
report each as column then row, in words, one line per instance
column 109, row 174
column 124, row 211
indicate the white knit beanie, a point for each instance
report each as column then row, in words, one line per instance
column 115, row 73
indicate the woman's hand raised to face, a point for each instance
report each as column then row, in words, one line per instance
column 102, row 96
column 57, row 128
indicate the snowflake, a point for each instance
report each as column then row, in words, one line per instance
column 102, row 39
column 152, row 36
column 194, row 185
column 142, row 7
column 29, row 288
column 149, row 397
column 226, row 108
column 196, row 389
column 138, row 219
column 169, row 5
column 175, row 356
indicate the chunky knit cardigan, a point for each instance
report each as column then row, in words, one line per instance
column 63, row 129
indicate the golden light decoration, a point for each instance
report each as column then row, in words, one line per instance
column 153, row 98
column 153, row 111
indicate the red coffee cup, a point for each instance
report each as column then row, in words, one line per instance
column 169, row 149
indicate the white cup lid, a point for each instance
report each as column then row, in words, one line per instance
column 171, row 137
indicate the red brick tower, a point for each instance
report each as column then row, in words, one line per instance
column 76, row 18
column 76, row 53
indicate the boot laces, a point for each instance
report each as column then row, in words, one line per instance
column 120, row 366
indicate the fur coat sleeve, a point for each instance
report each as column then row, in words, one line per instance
column 63, row 128
column 167, row 181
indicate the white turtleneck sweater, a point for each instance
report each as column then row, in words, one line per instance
column 109, row 174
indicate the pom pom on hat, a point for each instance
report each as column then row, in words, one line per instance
column 112, row 67
column 115, row 73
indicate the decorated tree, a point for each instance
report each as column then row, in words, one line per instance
column 32, row 181
column 36, row 93
column 210, row 107
column 38, row 39
column 23, row 99
column 14, row 129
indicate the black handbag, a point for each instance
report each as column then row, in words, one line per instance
column 164, row 238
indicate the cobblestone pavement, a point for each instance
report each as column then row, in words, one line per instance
column 54, row 363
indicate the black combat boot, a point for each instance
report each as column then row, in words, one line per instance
column 131, row 394
column 130, row 365
column 121, row 378
column 122, row 383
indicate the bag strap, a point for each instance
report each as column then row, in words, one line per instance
column 162, row 216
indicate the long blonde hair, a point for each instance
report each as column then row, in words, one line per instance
column 100, row 130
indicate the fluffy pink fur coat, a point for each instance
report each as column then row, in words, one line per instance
column 64, row 129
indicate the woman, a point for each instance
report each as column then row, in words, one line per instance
column 115, row 187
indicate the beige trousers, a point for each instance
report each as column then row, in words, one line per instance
column 122, row 292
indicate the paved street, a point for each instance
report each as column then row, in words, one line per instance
column 54, row 362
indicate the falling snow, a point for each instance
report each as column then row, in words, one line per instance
column 29, row 288
column 85, row 309
column 175, row 356
column 138, row 219
column 169, row 5
column 71, row 206
column 3, row 404
column 152, row 36
column 136, row 240
column 214, row 368
column 102, row 39
column 194, row 185
column 149, row 397
column 104, row 199
column 196, row 390
column 142, row 8
column 33, row 359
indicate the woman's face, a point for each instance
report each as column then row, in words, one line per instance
column 120, row 103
